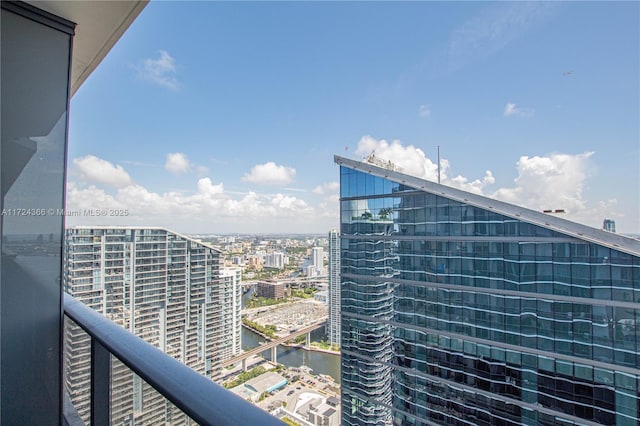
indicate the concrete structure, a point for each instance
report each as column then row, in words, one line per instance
column 48, row 50
column 274, row 260
column 252, row 389
column 333, row 323
column 163, row 287
column 321, row 296
column 323, row 415
column 237, row 260
column 270, row 289
column 317, row 257
column 310, row 271
column 254, row 262
column 267, row 382
column 231, row 310
column 273, row 346
column 609, row 225
column 460, row 309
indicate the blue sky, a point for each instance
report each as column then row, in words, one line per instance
column 223, row 117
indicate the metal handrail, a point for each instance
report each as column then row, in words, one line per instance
column 197, row 396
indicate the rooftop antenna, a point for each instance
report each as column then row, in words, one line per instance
column 438, row 163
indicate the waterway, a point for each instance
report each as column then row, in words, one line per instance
column 319, row 362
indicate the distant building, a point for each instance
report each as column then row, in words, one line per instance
column 609, row 225
column 317, row 257
column 324, row 415
column 458, row 309
column 333, row 301
column 254, row 262
column 252, row 389
column 321, row 296
column 163, row 287
column 231, row 298
column 237, row 260
column 310, row 271
column 270, row 289
column 274, row 260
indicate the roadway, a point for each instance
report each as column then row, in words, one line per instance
column 319, row 278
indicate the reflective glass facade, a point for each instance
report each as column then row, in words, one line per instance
column 456, row 314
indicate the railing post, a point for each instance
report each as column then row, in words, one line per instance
column 100, row 384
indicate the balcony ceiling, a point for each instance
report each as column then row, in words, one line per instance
column 99, row 26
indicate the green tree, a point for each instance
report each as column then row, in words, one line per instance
column 385, row 213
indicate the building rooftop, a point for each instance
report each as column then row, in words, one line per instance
column 558, row 224
column 266, row 382
column 138, row 227
column 332, row 400
column 324, row 410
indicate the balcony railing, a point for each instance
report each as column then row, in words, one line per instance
column 196, row 395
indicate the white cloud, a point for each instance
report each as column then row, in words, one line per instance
column 96, row 170
column 476, row 186
column 552, row 182
column 293, row 205
column 493, row 29
column 327, row 188
column 413, row 160
column 270, row 174
column 177, row 163
column 208, row 207
column 160, row 71
column 512, row 110
column 206, row 187
column 296, row 189
column 424, row 111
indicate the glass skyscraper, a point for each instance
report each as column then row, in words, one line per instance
column 459, row 309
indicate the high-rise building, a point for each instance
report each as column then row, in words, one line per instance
column 609, row 225
column 164, row 287
column 317, row 257
column 459, row 309
column 270, row 289
column 231, row 307
column 334, row 288
column 275, row 260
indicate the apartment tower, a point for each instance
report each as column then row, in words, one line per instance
column 459, row 309
column 164, row 287
column 317, row 257
column 334, row 288
column 231, row 306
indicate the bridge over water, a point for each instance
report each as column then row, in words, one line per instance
column 273, row 345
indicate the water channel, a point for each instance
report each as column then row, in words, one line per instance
column 319, row 362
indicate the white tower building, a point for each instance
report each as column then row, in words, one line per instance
column 334, row 329
column 163, row 287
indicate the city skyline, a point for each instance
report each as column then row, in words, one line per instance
column 225, row 123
